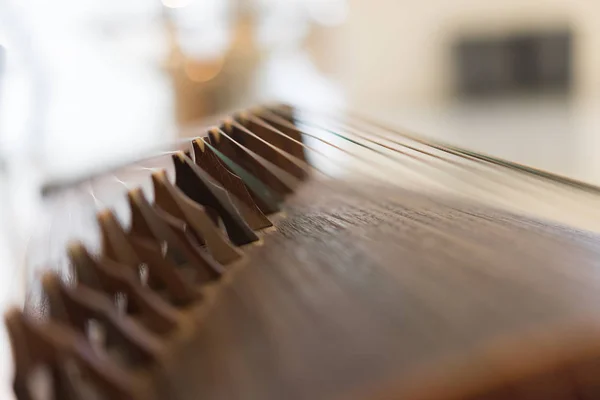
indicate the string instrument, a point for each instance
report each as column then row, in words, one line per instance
column 287, row 254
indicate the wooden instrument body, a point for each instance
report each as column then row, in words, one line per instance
column 363, row 290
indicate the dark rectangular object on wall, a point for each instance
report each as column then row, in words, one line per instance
column 523, row 63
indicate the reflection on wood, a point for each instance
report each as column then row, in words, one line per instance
column 363, row 288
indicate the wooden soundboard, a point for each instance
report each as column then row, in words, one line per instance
column 289, row 256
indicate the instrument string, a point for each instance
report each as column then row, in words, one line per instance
column 482, row 251
column 461, row 152
column 477, row 250
column 430, row 163
column 353, row 130
column 306, row 125
column 304, row 165
column 372, row 171
column 524, row 185
column 463, row 180
column 354, row 146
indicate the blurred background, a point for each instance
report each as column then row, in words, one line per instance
column 87, row 84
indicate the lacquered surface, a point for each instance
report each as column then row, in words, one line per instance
column 365, row 280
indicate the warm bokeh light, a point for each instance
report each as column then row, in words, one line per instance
column 199, row 71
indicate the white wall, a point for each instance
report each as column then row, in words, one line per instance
column 399, row 50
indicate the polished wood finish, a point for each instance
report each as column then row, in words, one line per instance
column 360, row 289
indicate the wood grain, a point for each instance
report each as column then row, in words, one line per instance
column 356, row 293
column 364, row 289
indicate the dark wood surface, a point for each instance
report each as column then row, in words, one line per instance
column 368, row 288
column 364, row 291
